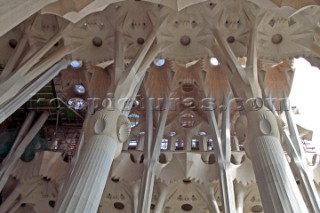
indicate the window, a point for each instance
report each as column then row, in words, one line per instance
column 133, row 144
column 194, row 144
column 164, row 144
column 187, row 120
column 134, row 119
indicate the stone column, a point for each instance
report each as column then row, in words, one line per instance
column 162, row 199
column 278, row 189
column 188, row 142
column 83, row 191
column 140, row 143
column 172, row 143
column 203, row 144
column 239, row 195
column 135, row 196
column 213, row 204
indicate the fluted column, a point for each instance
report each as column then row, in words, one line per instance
column 278, row 189
column 84, row 189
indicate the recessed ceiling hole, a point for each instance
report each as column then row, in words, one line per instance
column 118, row 205
column 276, row 39
column 13, row 43
column 140, row 41
column 97, row 41
column 256, row 208
column 185, row 40
column 52, row 203
column 231, row 39
column 186, row 207
column 186, row 181
column 114, row 179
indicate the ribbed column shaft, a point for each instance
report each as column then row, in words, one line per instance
column 161, row 200
column 239, row 194
column 85, row 187
column 278, row 189
column 213, row 204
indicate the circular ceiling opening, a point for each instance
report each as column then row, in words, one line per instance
column 186, row 181
column 276, row 39
column 97, row 41
column 231, row 39
column 80, row 89
column 256, row 208
column 185, row 40
column 115, row 180
column 76, row 64
column 13, row 43
column 52, row 203
column 186, row 207
column 140, row 41
column 159, row 62
column 214, row 61
column 118, row 205
column 46, row 179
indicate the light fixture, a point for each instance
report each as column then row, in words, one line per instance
column 214, row 61
column 159, row 62
column 79, row 88
column 76, row 64
column 76, row 103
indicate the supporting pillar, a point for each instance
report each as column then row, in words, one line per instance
column 84, row 189
column 107, row 130
column 203, row 146
column 126, row 146
column 135, row 196
column 152, row 152
column 222, row 150
column 17, row 101
column 172, row 143
column 140, row 143
column 188, row 142
column 239, row 193
column 235, row 144
column 161, row 199
column 296, row 152
column 278, row 189
column 213, row 204
column 21, row 148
